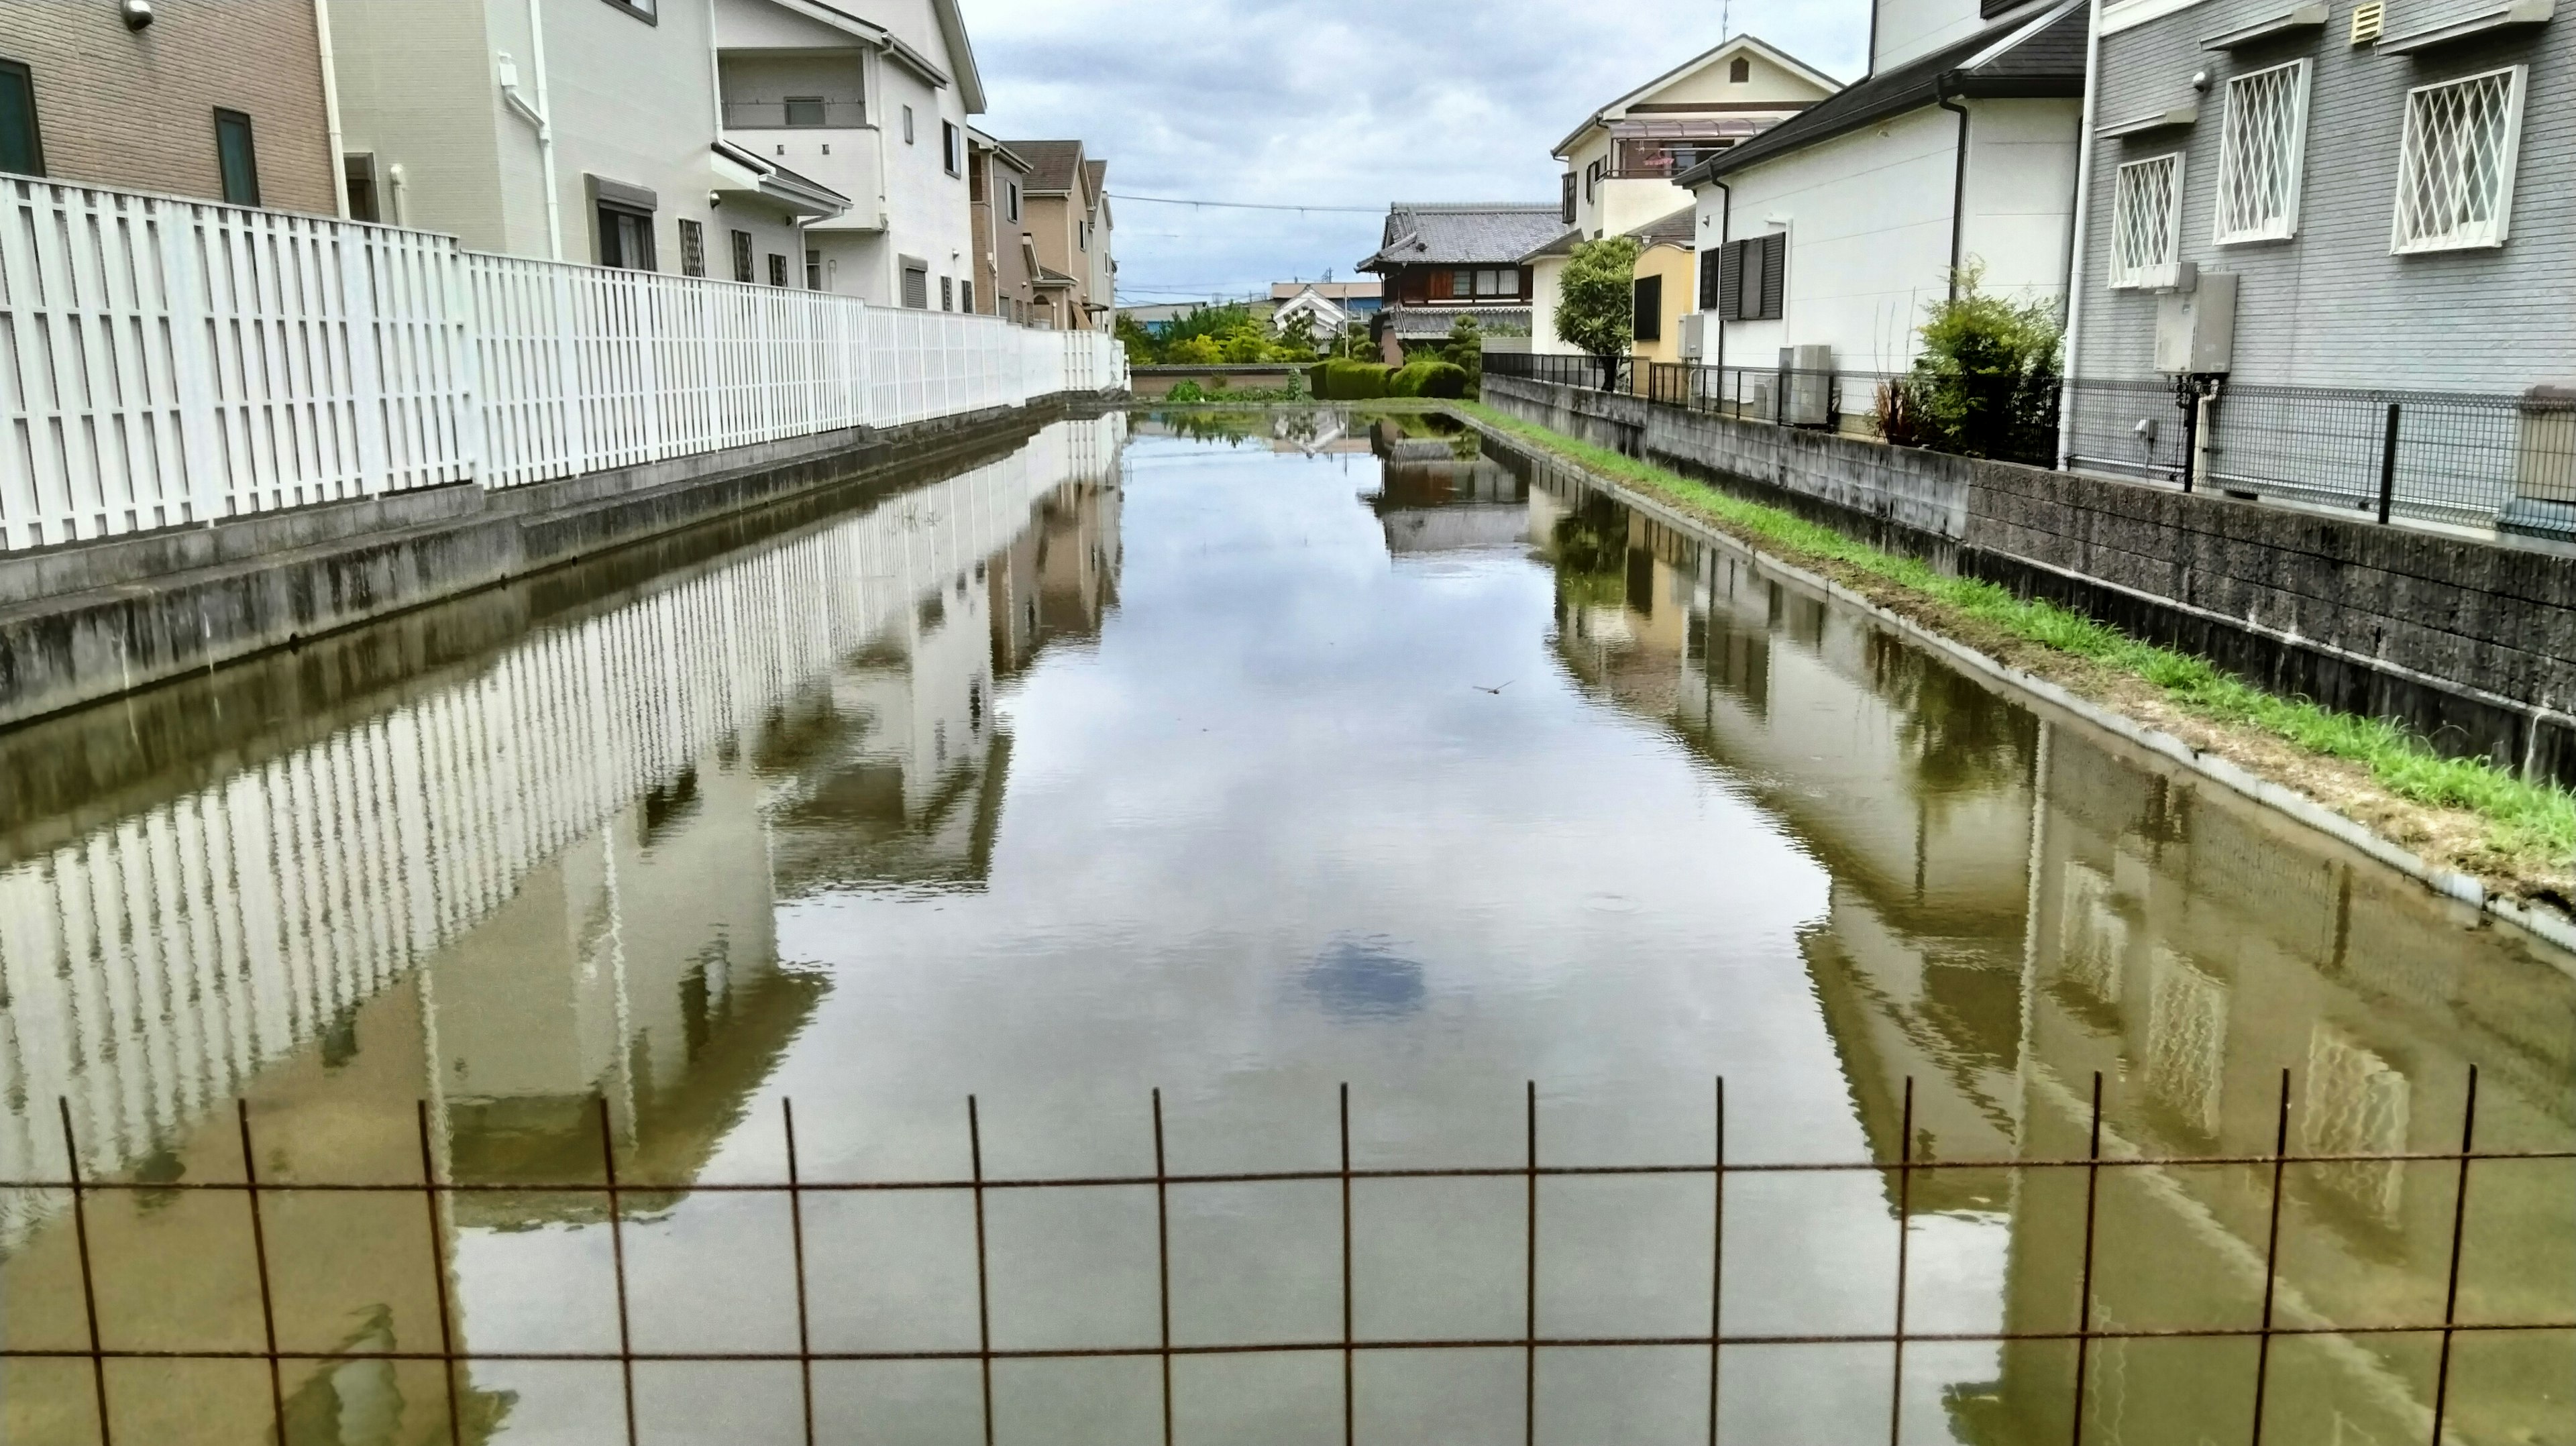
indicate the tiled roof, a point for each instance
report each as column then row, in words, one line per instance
column 1421, row 321
column 1093, row 173
column 1498, row 234
column 1676, row 229
column 2030, row 53
column 1051, row 163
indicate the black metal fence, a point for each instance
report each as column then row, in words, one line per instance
column 2464, row 459
column 439, row 1200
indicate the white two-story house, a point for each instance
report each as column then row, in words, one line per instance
column 1620, row 163
column 1956, row 153
column 870, row 99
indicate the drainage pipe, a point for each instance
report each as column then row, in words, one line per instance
column 1725, row 223
column 1958, row 176
column 331, row 106
column 2077, row 236
column 545, row 129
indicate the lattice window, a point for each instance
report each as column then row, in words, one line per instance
column 2455, row 174
column 2187, row 1041
column 2357, row 1105
column 2146, row 222
column 2260, row 154
column 2093, row 938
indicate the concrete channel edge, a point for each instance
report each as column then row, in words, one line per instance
column 2542, row 923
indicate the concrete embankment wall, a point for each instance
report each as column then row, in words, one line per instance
column 2472, row 644
column 88, row 621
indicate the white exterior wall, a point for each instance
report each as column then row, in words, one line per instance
column 1869, row 214
column 1902, row 30
column 1547, row 286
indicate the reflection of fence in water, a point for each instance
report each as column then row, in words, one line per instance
column 2340, row 1080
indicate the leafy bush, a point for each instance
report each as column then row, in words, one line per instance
column 1185, row 391
column 1429, row 378
column 1596, row 307
column 1353, row 381
column 1985, row 383
column 1466, row 349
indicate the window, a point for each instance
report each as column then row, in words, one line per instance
column 966, row 296
column 2455, row 175
column 22, row 144
column 2260, row 153
column 1752, row 277
column 805, row 110
column 1650, row 308
column 1011, row 190
column 648, row 11
column 813, row 270
column 625, row 238
column 777, row 269
column 916, row 287
column 947, row 294
column 359, row 172
column 741, row 255
column 1592, row 179
column 237, row 157
column 1462, row 283
column 2146, row 222
column 1565, row 202
column 693, row 249
column 1708, row 288
column 907, row 125
column 1739, row 70
column 950, row 152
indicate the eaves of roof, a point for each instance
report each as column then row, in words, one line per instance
column 1754, row 43
column 2031, row 54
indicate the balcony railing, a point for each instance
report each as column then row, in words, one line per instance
column 795, row 114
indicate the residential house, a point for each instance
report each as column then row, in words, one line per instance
column 1667, row 267
column 1440, row 262
column 2385, row 188
column 220, row 100
column 1620, row 163
column 591, row 135
column 1360, row 298
column 870, row 98
column 1068, row 229
column 1323, row 317
column 997, row 179
column 1957, row 152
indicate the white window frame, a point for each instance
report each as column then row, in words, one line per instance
column 2169, row 271
column 2492, row 233
column 2285, row 225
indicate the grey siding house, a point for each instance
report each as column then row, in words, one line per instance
column 2386, row 181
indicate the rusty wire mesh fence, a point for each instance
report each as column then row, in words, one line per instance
column 440, row 1199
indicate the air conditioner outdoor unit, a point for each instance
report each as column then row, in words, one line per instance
column 1694, row 338
column 1806, row 386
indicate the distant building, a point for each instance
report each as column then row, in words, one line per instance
column 217, row 100
column 1620, row 163
column 1441, row 262
column 1322, row 315
column 1005, row 257
column 1360, row 298
column 1070, row 232
column 1663, row 288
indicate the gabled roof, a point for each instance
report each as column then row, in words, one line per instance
column 1480, row 233
column 952, row 31
column 1052, row 165
column 1725, row 50
column 2034, row 51
column 1677, row 229
column 1001, row 152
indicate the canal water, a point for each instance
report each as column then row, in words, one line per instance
column 1238, row 760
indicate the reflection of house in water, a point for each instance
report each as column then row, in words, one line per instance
column 2184, row 945
column 1441, row 494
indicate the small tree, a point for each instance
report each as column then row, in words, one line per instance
column 1466, row 348
column 1596, row 307
column 1985, row 383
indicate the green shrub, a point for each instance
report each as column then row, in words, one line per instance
column 1354, row 381
column 1985, row 384
column 1186, row 391
column 1441, row 380
column 1315, row 380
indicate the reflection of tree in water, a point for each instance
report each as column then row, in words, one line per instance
column 1964, row 739
column 1590, row 545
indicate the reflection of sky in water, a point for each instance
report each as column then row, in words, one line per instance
column 1365, row 978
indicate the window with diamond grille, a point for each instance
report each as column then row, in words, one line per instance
column 2146, row 222
column 2455, row 176
column 2260, row 153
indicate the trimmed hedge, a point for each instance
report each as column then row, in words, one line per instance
column 1443, row 380
column 1354, row 381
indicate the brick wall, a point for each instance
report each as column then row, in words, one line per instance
column 137, row 109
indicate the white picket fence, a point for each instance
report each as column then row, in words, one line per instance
column 166, row 362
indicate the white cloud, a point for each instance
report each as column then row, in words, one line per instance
column 1333, row 102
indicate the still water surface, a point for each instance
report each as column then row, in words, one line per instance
column 1238, row 767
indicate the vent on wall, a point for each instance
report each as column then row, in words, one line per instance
column 2368, row 20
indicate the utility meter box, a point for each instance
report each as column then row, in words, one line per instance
column 2196, row 329
column 1694, row 337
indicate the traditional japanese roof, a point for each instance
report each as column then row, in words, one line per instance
column 1416, row 322
column 1678, row 229
column 1726, row 50
column 1473, row 234
column 2025, row 54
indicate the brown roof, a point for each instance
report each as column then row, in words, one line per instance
column 1051, row 163
column 1096, row 174
column 1677, row 229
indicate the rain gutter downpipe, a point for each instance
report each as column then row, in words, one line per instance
column 331, row 106
column 1941, row 94
column 540, row 116
column 2077, row 235
column 1725, row 224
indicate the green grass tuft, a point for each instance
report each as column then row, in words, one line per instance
column 2525, row 819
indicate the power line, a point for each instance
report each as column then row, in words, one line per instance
column 1247, row 205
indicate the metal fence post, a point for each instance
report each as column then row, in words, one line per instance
column 2190, row 432
column 2388, row 466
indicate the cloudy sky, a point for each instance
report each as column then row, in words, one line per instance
column 1336, row 103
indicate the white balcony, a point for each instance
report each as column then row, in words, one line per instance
column 843, row 158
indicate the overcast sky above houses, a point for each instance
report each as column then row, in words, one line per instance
column 1338, row 103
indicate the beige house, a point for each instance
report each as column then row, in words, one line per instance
column 1621, row 161
column 223, row 100
column 997, row 183
column 1666, row 268
column 1067, row 226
